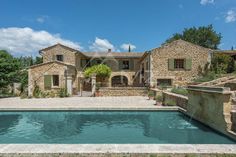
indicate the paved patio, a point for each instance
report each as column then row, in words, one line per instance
column 78, row 103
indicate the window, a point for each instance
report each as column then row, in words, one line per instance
column 125, row 65
column 55, row 80
column 59, row 58
column 179, row 63
column 164, row 82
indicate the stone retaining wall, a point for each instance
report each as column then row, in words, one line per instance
column 233, row 119
column 123, row 91
column 211, row 106
column 180, row 100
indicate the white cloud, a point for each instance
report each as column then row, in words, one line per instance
column 205, row 2
column 126, row 46
column 26, row 41
column 101, row 45
column 230, row 16
column 41, row 19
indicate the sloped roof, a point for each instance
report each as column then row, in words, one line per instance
column 114, row 54
column 57, row 62
column 58, row 44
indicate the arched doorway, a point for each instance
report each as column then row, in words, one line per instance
column 119, row 81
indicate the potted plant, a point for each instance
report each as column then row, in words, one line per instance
column 151, row 95
column 159, row 99
column 97, row 92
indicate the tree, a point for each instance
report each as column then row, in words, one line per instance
column 100, row 70
column 222, row 63
column 38, row 60
column 9, row 69
column 129, row 48
column 204, row 36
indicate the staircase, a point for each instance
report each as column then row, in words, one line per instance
column 220, row 81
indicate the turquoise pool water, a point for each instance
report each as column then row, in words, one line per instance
column 105, row 127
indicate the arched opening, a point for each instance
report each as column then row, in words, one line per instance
column 119, row 81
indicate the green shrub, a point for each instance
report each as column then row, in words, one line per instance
column 63, row 93
column 159, row 98
column 170, row 102
column 151, row 93
column 98, row 85
column 37, row 92
column 208, row 77
column 179, row 90
column 100, row 70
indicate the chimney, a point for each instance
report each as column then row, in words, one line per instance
column 109, row 50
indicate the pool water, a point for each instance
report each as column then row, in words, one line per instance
column 91, row 127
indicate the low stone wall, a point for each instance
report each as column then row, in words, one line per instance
column 181, row 101
column 123, row 91
column 211, row 106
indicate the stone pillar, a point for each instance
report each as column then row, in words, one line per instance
column 93, row 84
column 80, row 86
column 69, row 86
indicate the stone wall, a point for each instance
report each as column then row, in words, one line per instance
column 177, row 50
column 36, row 75
column 68, row 54
column 233, row 119
column 123, row 91
column 211, row 106
column 180, row 100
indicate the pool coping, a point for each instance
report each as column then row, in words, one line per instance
column 118, row 148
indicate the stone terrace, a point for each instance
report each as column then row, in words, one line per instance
column 77, row 103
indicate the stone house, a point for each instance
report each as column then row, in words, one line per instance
column 174, row 63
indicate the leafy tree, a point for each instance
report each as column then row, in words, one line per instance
column 100, row 70
column 204, row 36
column 9, row 69
column 222, row 63
column 38, row 60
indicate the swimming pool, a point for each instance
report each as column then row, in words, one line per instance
column 96, row 127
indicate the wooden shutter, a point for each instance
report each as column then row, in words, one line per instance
column 47, row 81
column 171, row 64
column 131, row 64
column 188, row 64
column 120, row 64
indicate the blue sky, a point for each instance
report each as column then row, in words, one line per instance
column 95, row 25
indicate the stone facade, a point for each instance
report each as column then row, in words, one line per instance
column 37, row 73
column 144, row 68
column 177, row 50
column 49, row 54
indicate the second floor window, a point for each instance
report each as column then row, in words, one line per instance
column 179, row 63
column 59, row 58
column 125, row 65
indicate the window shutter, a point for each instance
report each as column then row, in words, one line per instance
column 47, row 81
column 131, row 64
column 188, row 64
column 171, row 64
column 120, row 65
